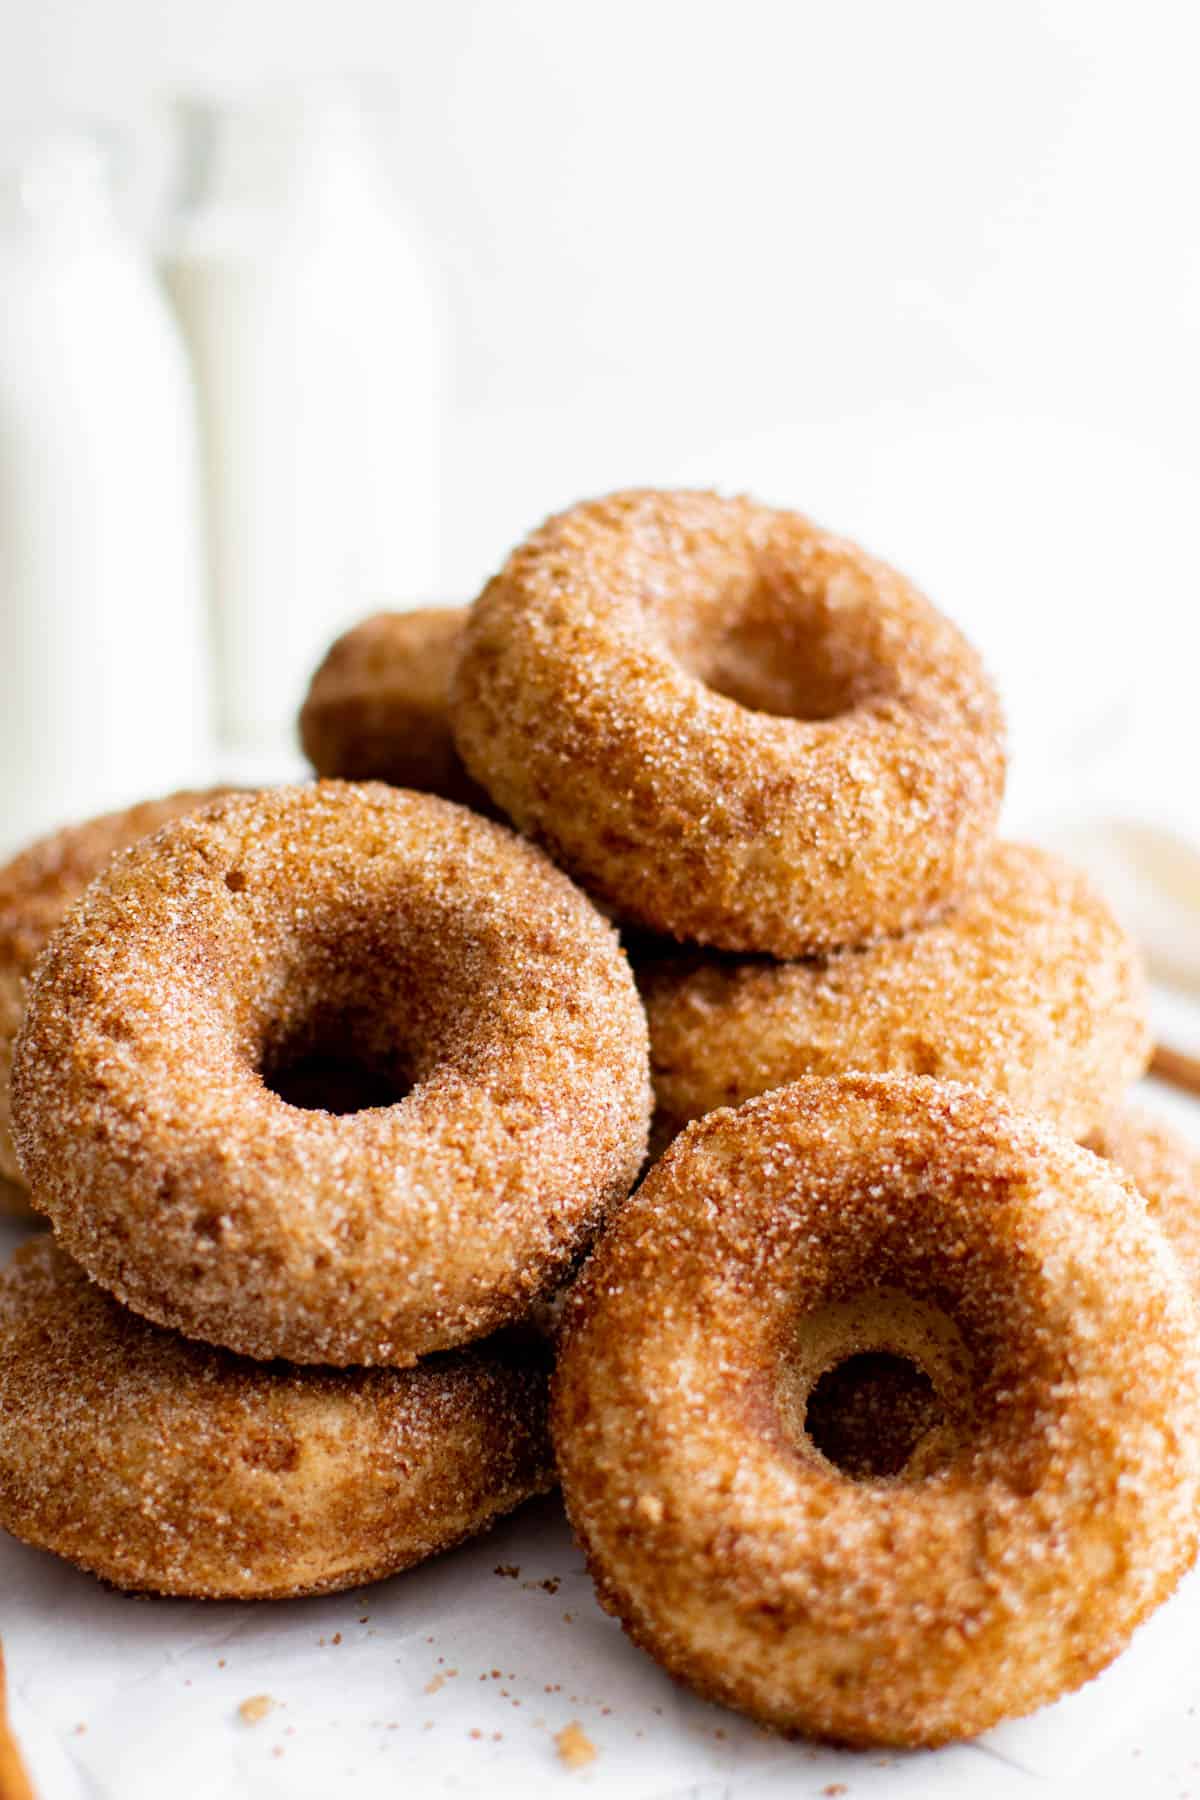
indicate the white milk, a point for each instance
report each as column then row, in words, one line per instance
column 102, row 645
column 314, row 331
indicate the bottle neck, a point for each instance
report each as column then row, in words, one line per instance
column 276, row 157
column 57, row 187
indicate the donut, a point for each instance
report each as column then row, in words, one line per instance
column 169, row 1467
column 1029, row 987
column 877, row 1415
column 36, row 888
column 730, row 726
column 378, row 707
column 809, row 1239
column 335, row 1073
column 1164, row 1166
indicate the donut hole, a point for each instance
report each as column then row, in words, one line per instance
column 784, row 649
column 867, row 1414
column 360, row 1003
column 329, row 1066
column 879, row 1386
column 323, row 1082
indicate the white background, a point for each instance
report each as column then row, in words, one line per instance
column 930, row 272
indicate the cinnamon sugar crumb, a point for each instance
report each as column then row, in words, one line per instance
column 511, row 1570
column 574, row 1746
column 256, row 1708
column 434, row 1686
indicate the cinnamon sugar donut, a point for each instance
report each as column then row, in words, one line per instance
column 730, row 726
column 342, row 1074
column 1049, row 1500
column 1029, row 987
column 36, row 889
column 378, row 707
column 876, row 1415
column 165, row 1466
column 1164, row 1166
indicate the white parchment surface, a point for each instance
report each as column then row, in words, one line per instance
column 457, row 1677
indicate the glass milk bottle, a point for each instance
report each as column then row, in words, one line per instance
column 314, row 329
column 103, row 652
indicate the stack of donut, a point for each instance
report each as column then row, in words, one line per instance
column 877, row 1407
column 202, row 1102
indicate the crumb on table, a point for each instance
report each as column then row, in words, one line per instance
column 256, row 1708
column 574, row 1746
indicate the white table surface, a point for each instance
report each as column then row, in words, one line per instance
column 395, row 1691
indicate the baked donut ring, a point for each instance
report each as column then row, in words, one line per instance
column 1050, row 1499
column 201, row 1027
column 378, row 707
column 730, row 726
column 1029, row 987
column 165, row 1466
column 1164, row 1166
column 36, row 888
column 877, row 1417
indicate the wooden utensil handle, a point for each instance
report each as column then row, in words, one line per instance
column 1175, row 1066
column 14, row 1782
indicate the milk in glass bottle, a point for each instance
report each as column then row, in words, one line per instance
column 103, row 649
column 314, row 326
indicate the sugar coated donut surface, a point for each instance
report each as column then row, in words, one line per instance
column 1048, row 1501
column 1164, row 1166
column 1029, row 986
column 36, row 889
column 378, row 708
column 166, row 1466
column 343, row 1074
column 730, row 726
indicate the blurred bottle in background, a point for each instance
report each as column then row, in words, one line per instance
column 315, row 334
column 103, row 648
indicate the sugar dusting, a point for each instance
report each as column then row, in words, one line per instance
column 1164, row 1166
column 1029, row 987
column 37, row 888
column 378, row 708
column 167, row 1466
column 453, row 954
column 615, row 697
column 883, row 1611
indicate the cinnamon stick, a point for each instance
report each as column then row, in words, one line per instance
column 1175, row 1066
column 14, row 1782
